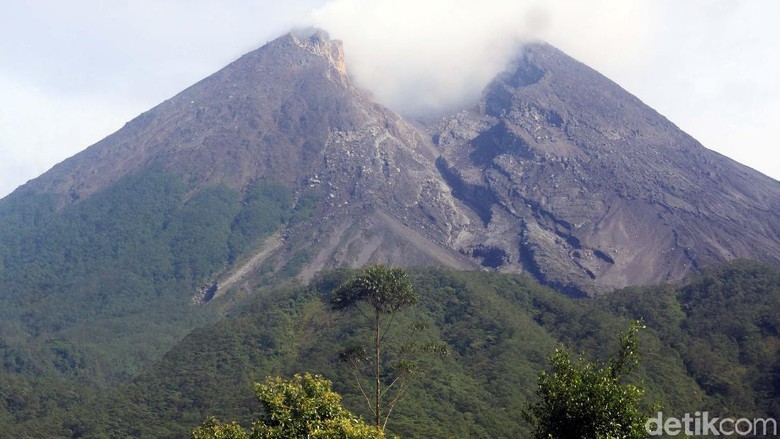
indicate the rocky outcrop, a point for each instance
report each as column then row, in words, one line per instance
column 557, row 171
column 599, row 190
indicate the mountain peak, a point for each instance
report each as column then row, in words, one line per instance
column 279, row 102
column 318, row 42
column 557, row 171
column 602, row 190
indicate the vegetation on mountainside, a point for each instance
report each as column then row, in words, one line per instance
column 150, row 239
column 580, row 398
column 712, row 344
column 725, row 327
column 153, row 241
column 499, row 330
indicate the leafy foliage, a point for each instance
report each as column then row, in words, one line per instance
column 304, row 407
column 213, row 429
column 386, row 290
column 582, row 398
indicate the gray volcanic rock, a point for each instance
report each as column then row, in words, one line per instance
column 557, row 171
column 266, row 115
column 287, row 113
column 592, row 188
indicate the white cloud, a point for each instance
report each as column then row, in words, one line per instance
column 713, row 68
column 421, row 56
column 417, row 56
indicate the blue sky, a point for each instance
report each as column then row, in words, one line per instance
column 73, row 72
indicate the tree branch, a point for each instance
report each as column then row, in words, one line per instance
column 391, row 385
column 391, row 405
column 361, row 310
column 360, row 386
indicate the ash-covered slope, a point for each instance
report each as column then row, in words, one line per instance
column 557, row 171
column 581, row 183
column 288, row 114
column 265, row 116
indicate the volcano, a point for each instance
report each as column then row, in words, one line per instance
column 170, row 259
column 557, row 171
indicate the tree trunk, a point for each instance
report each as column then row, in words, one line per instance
column 377, row 414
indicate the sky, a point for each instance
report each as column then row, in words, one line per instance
column 73, row 72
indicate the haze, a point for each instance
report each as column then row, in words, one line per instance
column 72, row 73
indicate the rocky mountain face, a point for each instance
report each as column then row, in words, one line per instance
column 287, row 113
column 582, row 184
column 557, row 171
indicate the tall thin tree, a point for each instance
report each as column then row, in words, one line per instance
column 386, row 291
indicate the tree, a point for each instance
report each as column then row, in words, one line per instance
column 304, row 407
column 213, row 429
column 585, row 399
column 386, row 291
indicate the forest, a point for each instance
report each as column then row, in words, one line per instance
column 710, row 344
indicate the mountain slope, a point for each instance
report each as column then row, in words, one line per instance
column 287, row 113
column 264, row 116
column 584, row 185
column 711, row 344
column 557, row 171
column 273, row 165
